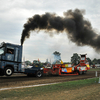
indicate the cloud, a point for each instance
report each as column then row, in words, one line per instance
column 14, row 13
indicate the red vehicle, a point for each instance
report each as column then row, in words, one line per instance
column 68, row 69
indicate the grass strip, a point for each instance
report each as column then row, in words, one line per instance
column 35, row 91
column 94, row 69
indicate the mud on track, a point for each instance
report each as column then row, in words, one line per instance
column 23, row 80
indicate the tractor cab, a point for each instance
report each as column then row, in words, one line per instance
column 83, row 60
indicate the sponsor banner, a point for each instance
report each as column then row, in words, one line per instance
column 67, row 65
column 64, row 70
column 82, row 68
column 68, row 69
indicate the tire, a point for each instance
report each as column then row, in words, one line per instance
column 39, row 74
column 8, row 71
column 80, row 72
column 84, row 72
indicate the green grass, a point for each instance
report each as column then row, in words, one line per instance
column 35, row 91
column 94, row 69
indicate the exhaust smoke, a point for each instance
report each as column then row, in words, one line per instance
column 78, row 29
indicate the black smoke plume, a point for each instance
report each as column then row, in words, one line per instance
column 78, row 29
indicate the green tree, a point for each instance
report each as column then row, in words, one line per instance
column 38, row 63
column 28, row 62
column 98, row 61
column 57, row 57
column 95, row 61
column 57, row 53
column 89, row 60
column 75, row 59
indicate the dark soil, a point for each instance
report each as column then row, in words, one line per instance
column 23, row 80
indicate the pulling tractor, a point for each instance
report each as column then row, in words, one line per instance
column 69, row 69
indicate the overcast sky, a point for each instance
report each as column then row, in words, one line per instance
column 14, row 14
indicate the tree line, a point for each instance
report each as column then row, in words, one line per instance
column 74, row 59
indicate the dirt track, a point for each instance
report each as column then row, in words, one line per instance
column 22, row 80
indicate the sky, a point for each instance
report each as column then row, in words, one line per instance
column 15, row 13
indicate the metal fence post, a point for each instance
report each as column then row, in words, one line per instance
column 99, row 79
column 96, row 73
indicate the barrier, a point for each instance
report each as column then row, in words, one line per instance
column 99, row 79
column 96, row 74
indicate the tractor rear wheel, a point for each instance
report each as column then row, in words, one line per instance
column 80, row 72
column 39, row 74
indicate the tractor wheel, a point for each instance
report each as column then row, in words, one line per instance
column 39, row 74
column 8, row 71
column 80, row 72
column 84, row 72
